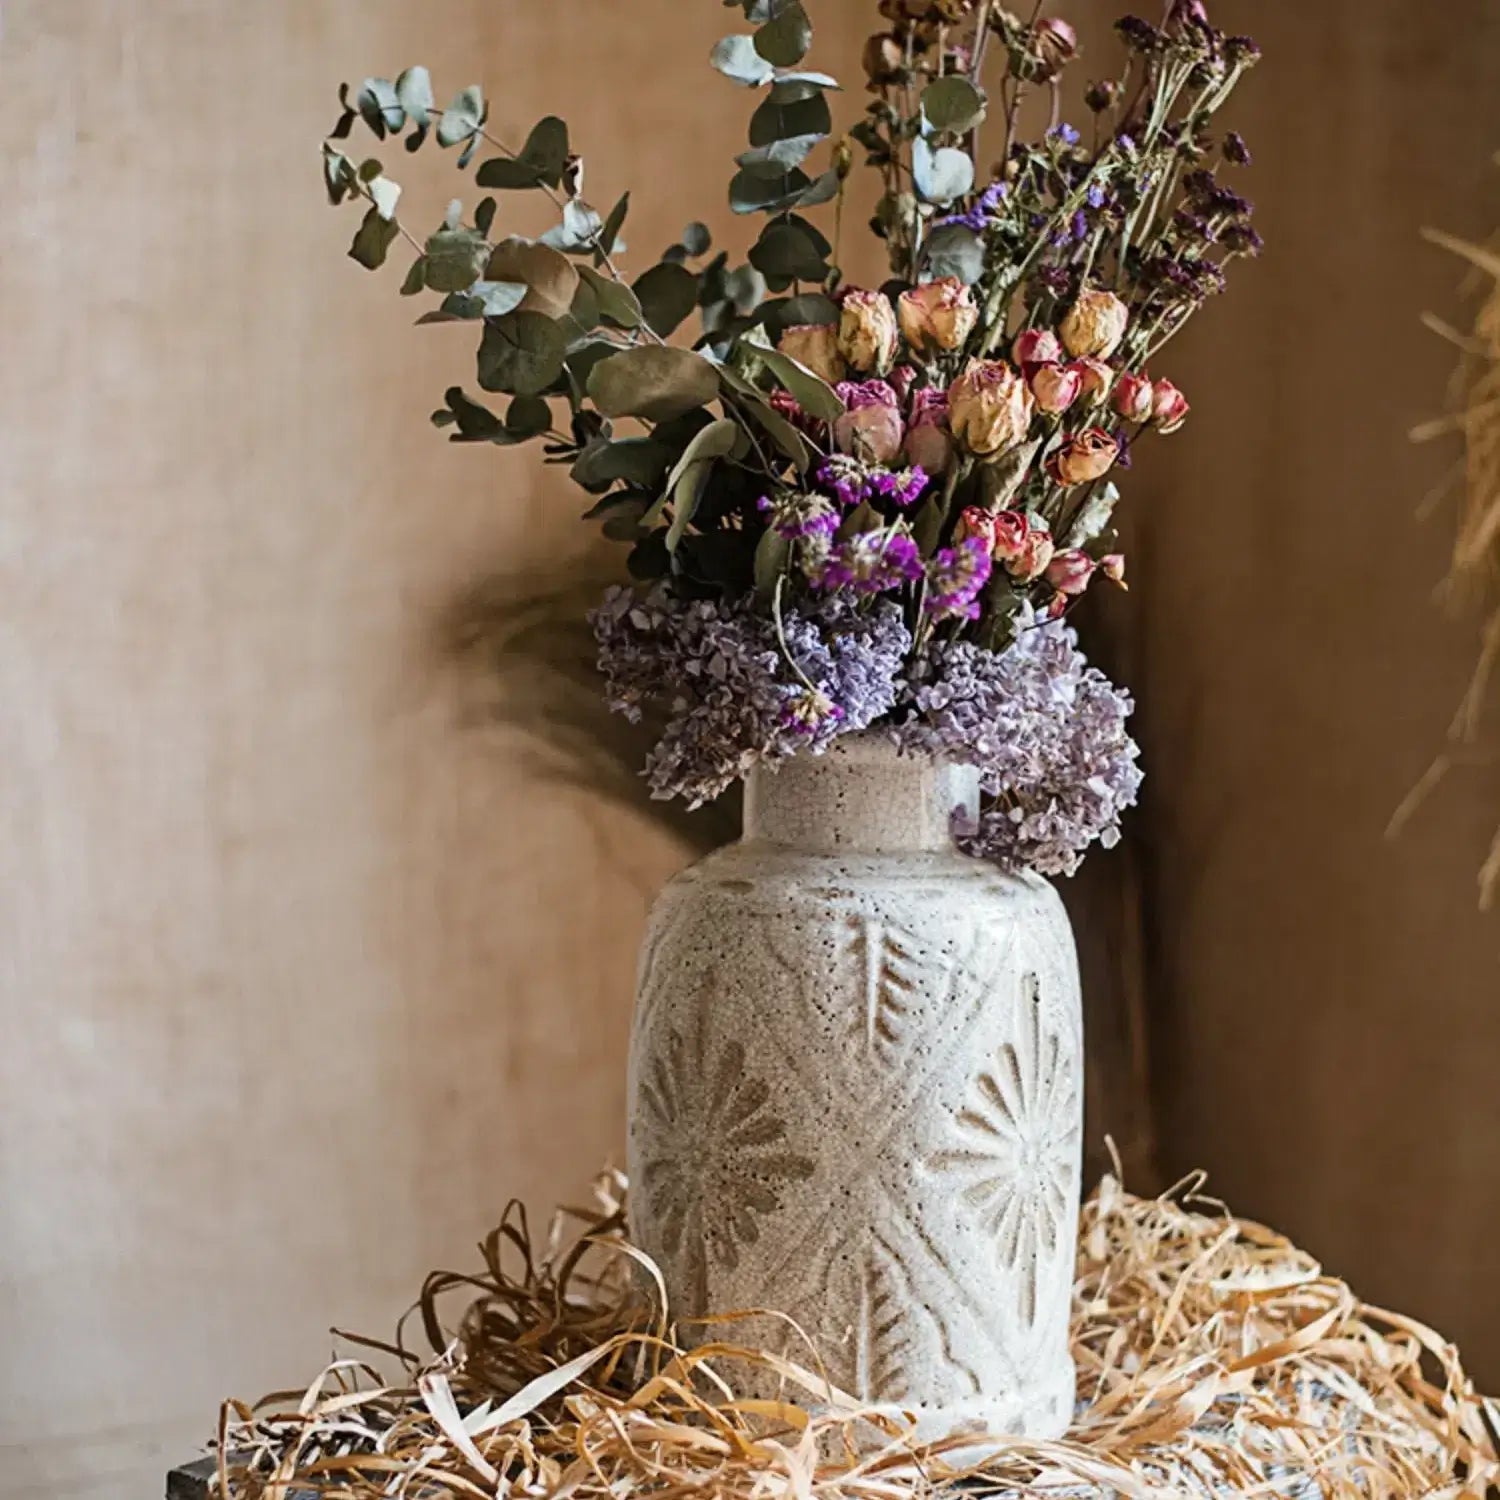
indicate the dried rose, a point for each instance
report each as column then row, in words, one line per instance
column 972, row 521
column 1113, row 568
column 1031, row 562
column 1056, row 46
column 1132, row 398
column 989, row 407
column 1095, row 377
column 1169, row 407
column 1056, row 387
column 1069, row 572
column 929, row 444
column 868, row 335
column 884, row 58
column 1011, row 535
column 815, row 346
column 938, row 315
column 871, row 427
column 1036, row 346
column 1083, row 457
column 1094, row 324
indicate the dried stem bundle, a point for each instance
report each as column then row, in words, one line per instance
column 1474, row 413
column 1212, row 1354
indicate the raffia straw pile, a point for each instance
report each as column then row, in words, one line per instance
column 1214, row 1357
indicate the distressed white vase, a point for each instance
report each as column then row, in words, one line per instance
column 856, row 1096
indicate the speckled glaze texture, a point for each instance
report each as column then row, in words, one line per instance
column 856, row 1095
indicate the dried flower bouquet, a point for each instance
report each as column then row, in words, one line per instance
column 849, row 508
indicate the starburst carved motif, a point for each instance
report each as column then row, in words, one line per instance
column 1018, row 1146
column 714, row 1156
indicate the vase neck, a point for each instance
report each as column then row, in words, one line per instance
column 859, row 797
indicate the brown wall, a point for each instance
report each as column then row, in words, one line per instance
column 1327, row 1004
column 302, row 973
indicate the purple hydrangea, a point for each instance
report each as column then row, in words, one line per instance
column 731, row 696
column 1047, row 732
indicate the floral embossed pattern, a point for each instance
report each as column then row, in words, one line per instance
column 714, row 1156
column 1019, row 1145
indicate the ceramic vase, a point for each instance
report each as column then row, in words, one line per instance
column 856, row 1096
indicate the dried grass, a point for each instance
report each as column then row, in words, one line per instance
column 1474, row 579
column 1213, row 1356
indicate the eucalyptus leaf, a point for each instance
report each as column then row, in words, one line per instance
column 540, row 161
column 379, row 107
column 696, row 239
column 373, row 240
column 667, row 294
column 462, row 119
column 753, row 402
column 551, row 276
column 784, row 41
column 751, row 193
column 616, row 301
column 940, row 176
column 416, row 278
column 484, row 216
column 821, row 190
column 686, row 482
column 745, row 288
column 953, row 104
column 791, row 312
column 579, row 229
column 483, row 299
column 814, row 395
column 639, row 461
column 528, row 417
column 736, row 58
column 772, row 553
column 777, row 120
column 456, row 259
column 654, row 383
column 521, row 353
column 584, row 311
column 787, row 252
column 414, row 92
column 339, row 175
column 953, row 250
column 609, row 234
column 779, row 157
column 791, row 88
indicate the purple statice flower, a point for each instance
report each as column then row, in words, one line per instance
column 954, row 578
column 872, row 562
column 1095, row 197
column 1243, row 240
column 730, row 696
column 985, row 207
column 1080, row 225
column 1047, row 733
column 845, row 477
column 902, row 487
column 1065, row 133
column 1126, row 143
column 796, row 516
column 1235, row 149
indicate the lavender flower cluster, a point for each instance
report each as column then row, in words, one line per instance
column 1047, row 732
column 734, row 697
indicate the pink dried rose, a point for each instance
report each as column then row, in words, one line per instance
column 1055, row 387
column 815, row 346
column 938, row 314
column 868, row 334
column 871, row 427
column 929, row 444
column 1095, row 378
column 1035, row 553
column 1069, row 572
column 974, row 521
column 1085, row 456
column 1056, row 46
column 1169, row 407
column 1132, row 398
column 1011, row 535
column 1095, row 324
column 989, row 407
column 1036, row 346
column 1113, row 568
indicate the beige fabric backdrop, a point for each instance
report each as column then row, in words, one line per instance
column 294, row 955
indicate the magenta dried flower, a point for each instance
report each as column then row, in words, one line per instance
column 954, row 578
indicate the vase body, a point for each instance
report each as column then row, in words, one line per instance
column 856, row 1096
